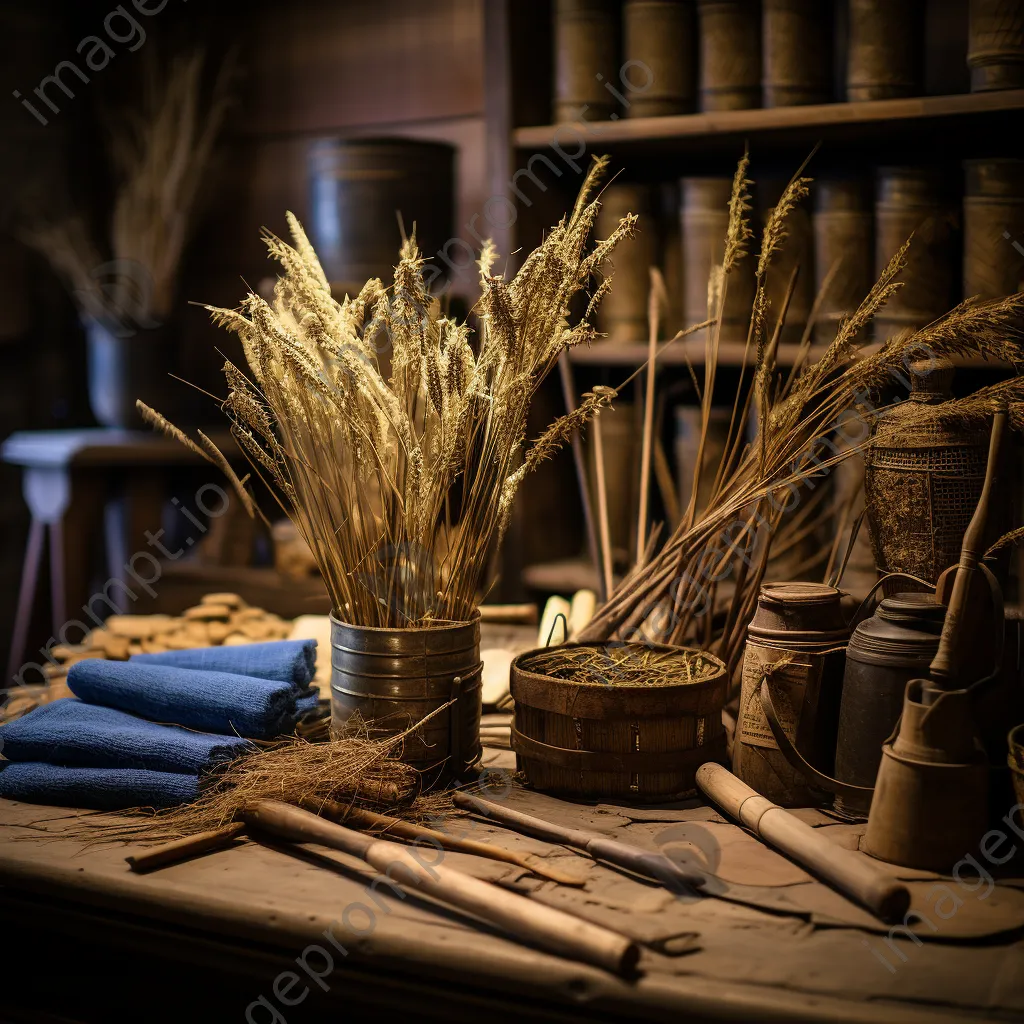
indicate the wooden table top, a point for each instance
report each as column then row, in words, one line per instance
column 771, row 944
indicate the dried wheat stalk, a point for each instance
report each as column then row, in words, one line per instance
column 400, row 486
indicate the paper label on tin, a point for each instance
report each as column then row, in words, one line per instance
column 788, row 685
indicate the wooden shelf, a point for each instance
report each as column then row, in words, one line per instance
column 937, row 116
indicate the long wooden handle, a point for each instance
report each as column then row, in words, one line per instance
column 513, row 614
column 181, row 849
column 854, row 876
column 363, row 819
column 551, row 929
column 953, row 647
column 644, row 862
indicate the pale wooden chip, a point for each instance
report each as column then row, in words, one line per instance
column 152, row 645
column 231, row 600
column 207, row 612
column 218, row 631
column 236, row 640
column 134, row 648
column 136, row 627
column 62, row 652
column 248, row 615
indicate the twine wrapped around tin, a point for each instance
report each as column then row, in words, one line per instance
column 596, row 740
column 384, row 681
column 885, row 57
column 730, row 54
column 922, row 480
column 585, row 45
column 705, row 220
column 622, row 314
column 797, row 52
column 843, row 226
column 795, row 641
column 993, row 221
column 660, row 34
column 995, row 44
column 913, row 201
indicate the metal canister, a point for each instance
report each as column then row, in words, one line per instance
column 886, row 49
column 660, row 35
column 385, row 681
column 797, row 52
column 730, row 54
column 995, row 44
column 994, row 228
column 585, row 44
column 886, row 651
column 795, row 640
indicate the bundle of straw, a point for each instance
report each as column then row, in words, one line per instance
column 671, row 598
column 160, row 155
column 400, row 486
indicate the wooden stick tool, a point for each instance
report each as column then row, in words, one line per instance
column 544, row 926
column 854, row 876
column 182, row 849
column 643, row 862
column 370, row 820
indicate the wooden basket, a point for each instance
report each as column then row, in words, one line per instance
column 644, row 743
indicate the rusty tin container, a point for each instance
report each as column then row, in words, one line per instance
column 802, row 626
column 660, row 35
column 383, row 681
column 995, row 44
column 886, row 651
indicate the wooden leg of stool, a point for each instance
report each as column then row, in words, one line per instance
column 26, row 596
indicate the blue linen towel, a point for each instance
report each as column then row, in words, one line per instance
column 291, row 661
column 73, row 734
column 99, row 789
column 210, row 701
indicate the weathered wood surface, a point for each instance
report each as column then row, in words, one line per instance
column 772, row 944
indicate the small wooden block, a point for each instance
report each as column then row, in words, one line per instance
column 232, row 601
column 137, row 627
column 218, row 631
column 208, row 613
column 236, row 640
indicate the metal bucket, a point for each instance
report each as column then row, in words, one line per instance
column 384, row 681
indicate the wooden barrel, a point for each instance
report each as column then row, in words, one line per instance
column 730, row 54
column 356, row 185
column 842, row 239
column 383, row 681
column 796, row 253
column 585, row 48
column 885, row 55
column 797, row 52
column 622, row 314
column 660, row 35
column 644, row 743
column 995, row 44
column 993, row 222
column 913, row 201
column 705, row 219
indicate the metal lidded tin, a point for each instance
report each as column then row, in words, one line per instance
column 796, row 640
column 886, row 651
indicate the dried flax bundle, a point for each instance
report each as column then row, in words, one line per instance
column 401, row 485
column 758, row 486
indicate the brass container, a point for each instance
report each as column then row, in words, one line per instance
column 886, row 651
column 885, row 56
column 993, row 221
column 383, row 681
column 843, row 229
column 922, row 482
column 585, row 47
column 797, row 52
column 730, row 54
column 622, row 314
column 602, row 740
column 995, row 44
column 912, row 201
column 705, row 220
column 803, row 625
column 661, row 35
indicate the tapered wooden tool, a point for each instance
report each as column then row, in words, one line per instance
column 856, row 877
column 643, row 862
column 544, row 926
column 181, row 849
column 362, row 819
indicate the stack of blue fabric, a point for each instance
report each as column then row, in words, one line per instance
column 146, row 732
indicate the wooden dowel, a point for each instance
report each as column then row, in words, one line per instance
column 513, row 614
column 363, row 819
column 602, row 508
column 181, row 849
column 555, row 931
column 853, row 875
column 657, row 286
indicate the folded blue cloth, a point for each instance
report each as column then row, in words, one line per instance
column 77, row 735
column 210, row 701
column 100, row 789
column 291, row 661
